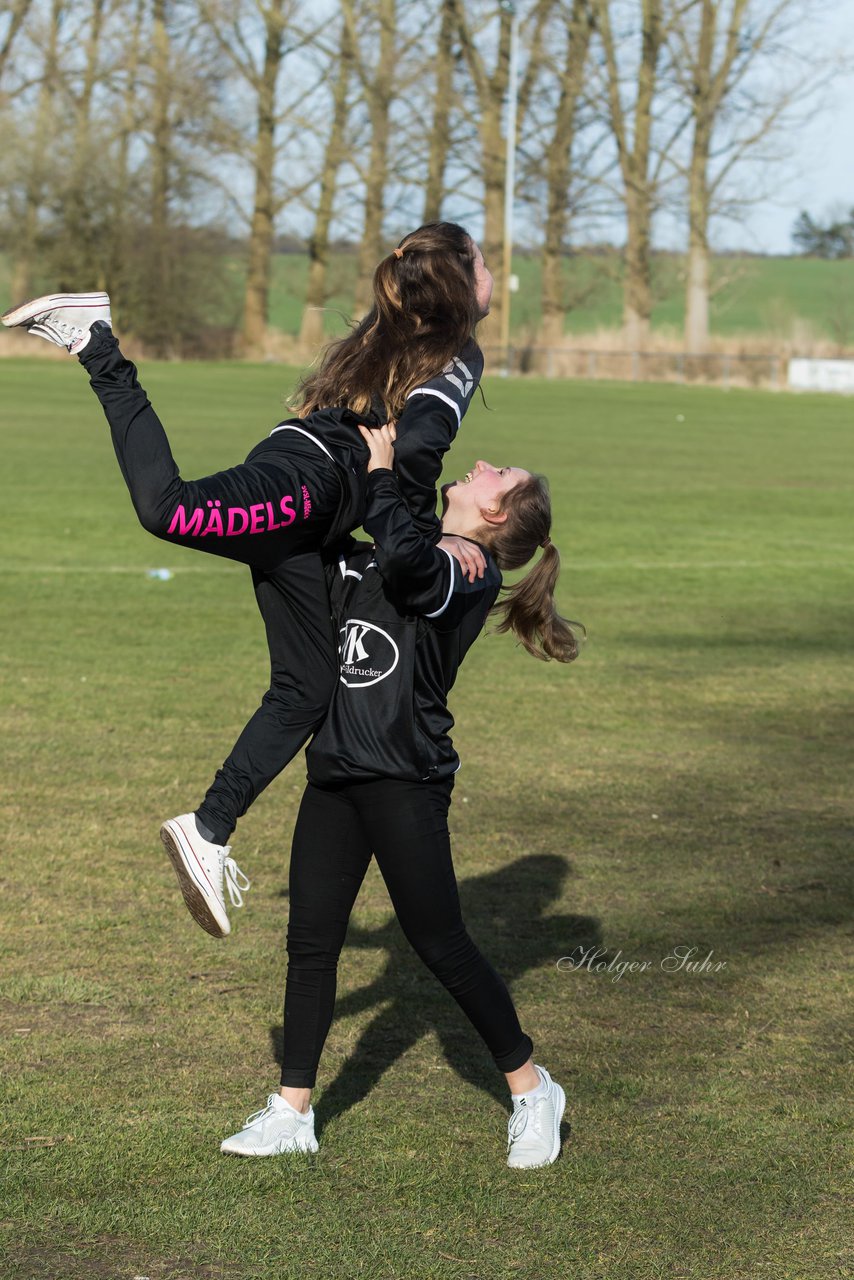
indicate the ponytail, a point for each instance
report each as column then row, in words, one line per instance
column 528, row 607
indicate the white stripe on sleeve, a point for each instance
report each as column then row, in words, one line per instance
column 348, row 573
column 450, row 588
column 431, row 391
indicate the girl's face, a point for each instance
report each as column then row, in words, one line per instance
column 483, row 281
column 481, row 491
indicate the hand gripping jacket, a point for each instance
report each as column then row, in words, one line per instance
column 425, row 432
column 406, row 617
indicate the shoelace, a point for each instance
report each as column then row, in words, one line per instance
column 524, row 1113
column 232, row 875
column 64, row 334
column 261, row 1114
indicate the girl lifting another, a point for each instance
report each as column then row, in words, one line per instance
column 381, row 770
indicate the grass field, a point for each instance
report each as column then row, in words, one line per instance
column 687, row 783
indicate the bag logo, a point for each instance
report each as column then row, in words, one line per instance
column 368, row 654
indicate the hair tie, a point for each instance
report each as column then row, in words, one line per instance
column 546, row 542
column 398, row 253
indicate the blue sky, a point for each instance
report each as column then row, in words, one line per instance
column 820, row 173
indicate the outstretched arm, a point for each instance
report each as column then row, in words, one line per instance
column 425, row 431
column 424, row 577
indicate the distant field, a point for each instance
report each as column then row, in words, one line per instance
column 769, row 295
column 687, row 783
column 785, row 297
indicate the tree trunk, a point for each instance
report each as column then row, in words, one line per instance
column 27, row 238
column 558, row 173
column 493, row 164
column 117, row 271
column 697, row 300
column 697, row 282
column 311, row 329
column 20, row 9
column 439, row 140
column 637, row 286
column 80, row 215
column 491, row 91
column 635, row 162
column 256, row 304
column 378, row 92
column 159, row 284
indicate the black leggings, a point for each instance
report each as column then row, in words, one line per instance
column 405, row 824
column 270, row 514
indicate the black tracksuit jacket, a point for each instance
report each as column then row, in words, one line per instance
column 432, row 414
column 406, row 616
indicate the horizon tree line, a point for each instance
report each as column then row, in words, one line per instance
column 145, row 137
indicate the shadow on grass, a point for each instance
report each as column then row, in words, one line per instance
column 753, row 851
column 507, row 909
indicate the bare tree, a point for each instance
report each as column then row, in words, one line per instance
column 256, row 306
column 17, row 16
column 251, row 37
column 128, row 109
column 440, row 126
column 160, row 152
column 83, row 216
column 311, row 328
column 120, row 130
column 737, row 67
column 373, row 34
column 490, row 89
column 171, row 254
column 559, row 156
column 37, row 161
column 632, row 128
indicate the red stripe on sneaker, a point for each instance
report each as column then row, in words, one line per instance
column 195, row 856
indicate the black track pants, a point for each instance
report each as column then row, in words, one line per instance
column 294, row 604
column 271, row 514
column 279, row 502
column 405, row 825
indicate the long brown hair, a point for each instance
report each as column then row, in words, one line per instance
column 528, row 607
column 425, row 310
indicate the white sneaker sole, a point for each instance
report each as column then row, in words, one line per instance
column 198, row 893
column 275, row 1149
column 29, row 310
column 555, row 1151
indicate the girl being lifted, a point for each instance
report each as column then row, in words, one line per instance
column 412, row 359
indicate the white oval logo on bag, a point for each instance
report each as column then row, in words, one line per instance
column 368, row 654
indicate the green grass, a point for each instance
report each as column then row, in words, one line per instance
column 685, row 783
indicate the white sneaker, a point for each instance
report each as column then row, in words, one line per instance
column 533, row 1131
column 273, row 1131
column 65, row 319
column 201, row 868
